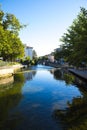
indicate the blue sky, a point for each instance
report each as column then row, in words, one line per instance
column 47, row 20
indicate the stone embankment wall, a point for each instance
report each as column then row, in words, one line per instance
column 7, row 80
column 8, row 71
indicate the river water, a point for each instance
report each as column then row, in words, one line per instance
column 43, row 99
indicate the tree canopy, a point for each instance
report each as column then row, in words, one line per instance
column 11, row 46
column 75, row 40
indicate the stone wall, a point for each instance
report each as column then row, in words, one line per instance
column 8, row 71
column 7, row 80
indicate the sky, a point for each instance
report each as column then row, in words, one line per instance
column 47, row 20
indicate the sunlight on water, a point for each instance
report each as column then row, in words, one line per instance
column 38, row 99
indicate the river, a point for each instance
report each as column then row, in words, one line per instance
column 43, row 99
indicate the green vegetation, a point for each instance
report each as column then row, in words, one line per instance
column 10, row 96
column 58, row 55
column 75, row 40
column 11, row 46
column 27, row 61
column 66, row 76
column 3, row 63
column 69, row 78
column 75, row 117
column 74, row 47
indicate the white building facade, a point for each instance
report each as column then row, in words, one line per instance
column 51, row 58
column 29, row 51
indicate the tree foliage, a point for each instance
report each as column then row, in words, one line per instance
column 58, row 55
column 34, row 54
column 11, row 46
column 75, row 40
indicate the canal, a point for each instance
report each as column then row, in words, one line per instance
column 43, row 99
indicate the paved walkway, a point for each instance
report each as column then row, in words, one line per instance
column 81, row 73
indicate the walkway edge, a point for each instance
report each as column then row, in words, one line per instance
column 80, row 73
column 8, row 71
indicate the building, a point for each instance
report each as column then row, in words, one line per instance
column 58, row 49
column 28, row 51
column 51, row 58
column 60, row 59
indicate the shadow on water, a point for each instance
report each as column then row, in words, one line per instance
column 63, row 76
column 10, row 96
column 75, row 116
column 50, row 101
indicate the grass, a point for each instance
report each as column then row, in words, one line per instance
column 3, row 63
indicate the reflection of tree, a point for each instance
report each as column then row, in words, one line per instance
column 69, row 78
column 58, row 75
column 75, row 117
column 10, row 98
column 29, row 75
column 62, row 75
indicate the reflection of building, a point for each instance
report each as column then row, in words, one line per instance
column 28, row 51
column 29, row 75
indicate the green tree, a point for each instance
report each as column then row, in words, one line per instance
column 58, row 55
column 17, row 48
column 75, row 40
column 11, row 46
column 34, row 54
column 1, row 16
column 10, row 22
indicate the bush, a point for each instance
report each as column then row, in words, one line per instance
column 3, row 63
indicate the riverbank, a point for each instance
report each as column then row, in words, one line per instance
column 80, row 73
column 38, row 92
column 8, row 71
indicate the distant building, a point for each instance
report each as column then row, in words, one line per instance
column 58, row 49
column 60, row 60
column 51, row 58
column 28, row 51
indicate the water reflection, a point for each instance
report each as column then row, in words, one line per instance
column 57, row 73
column 8, row 80
column 9, row 98
column 29, row 75
column 40, row 67
column 41, row 100
column 75, row 116
column 64, row 76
